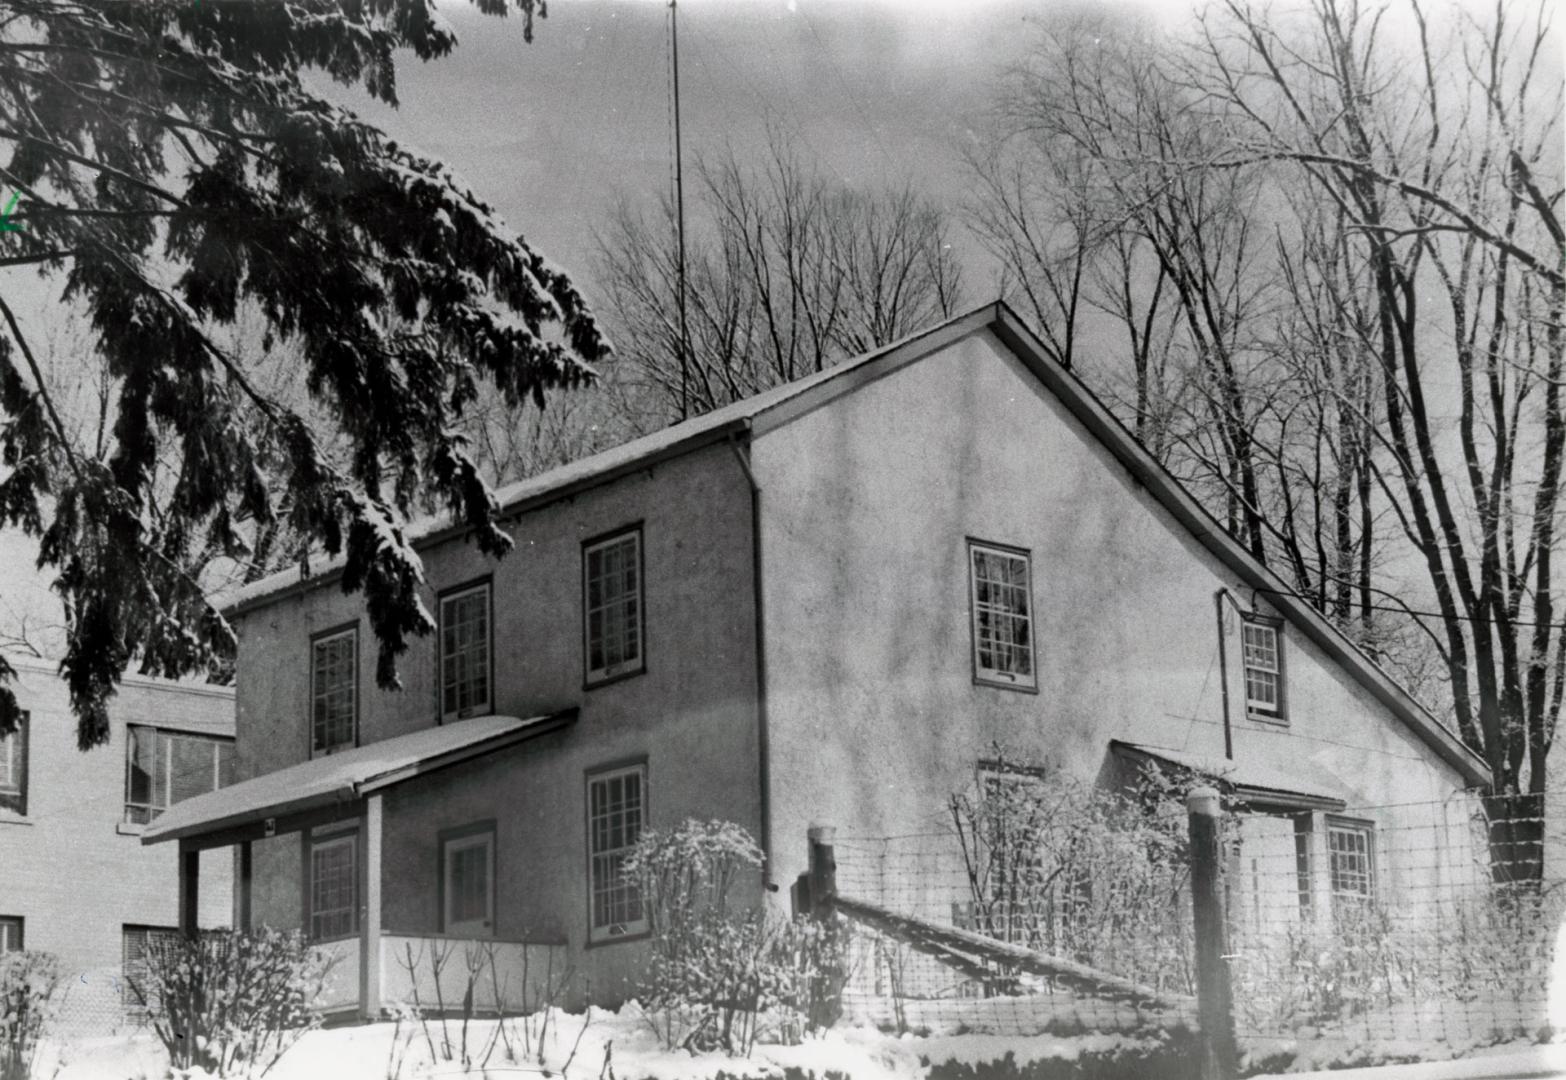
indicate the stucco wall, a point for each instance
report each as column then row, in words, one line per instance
column 692, row 714
column 874, row 715
column 69, row 868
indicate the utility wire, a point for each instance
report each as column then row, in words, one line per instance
column 1409, row 611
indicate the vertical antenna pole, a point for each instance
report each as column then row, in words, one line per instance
column 679, row 212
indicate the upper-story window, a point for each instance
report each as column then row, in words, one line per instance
column 13, row 770
column 464, row 652
column 612, row 605
column 334, row 691
column 163, row 767
column 1262, row 639
column 1000, row 589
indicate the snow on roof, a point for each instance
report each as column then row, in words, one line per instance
column 344, row 776
column 1249, row 776
column 600, row 466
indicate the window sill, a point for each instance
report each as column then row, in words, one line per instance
column 1268, row 719
column 593, row 682
column 128, row 828
column 1005, row 684
column 8, row 818
column 616, row 939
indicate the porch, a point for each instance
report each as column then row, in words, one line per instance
column 341, row 796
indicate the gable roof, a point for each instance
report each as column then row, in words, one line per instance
column 782, row 404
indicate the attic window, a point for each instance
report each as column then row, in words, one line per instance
column 1000, row 589
column 1263, row 647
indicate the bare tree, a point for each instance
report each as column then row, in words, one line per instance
column 1444, row 160
column 787, row 273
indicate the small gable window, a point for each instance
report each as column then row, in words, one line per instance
column 612, row 605
column 1000, row 588
column 1262, row 639
column 13, row 770
column 334, row 691
column 464, row 652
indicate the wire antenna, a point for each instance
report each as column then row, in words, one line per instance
column 679, row 215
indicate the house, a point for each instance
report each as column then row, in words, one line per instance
column 824, row 603
column 74, row 879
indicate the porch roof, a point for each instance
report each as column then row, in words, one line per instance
column 346, row 776
column 1250, row 780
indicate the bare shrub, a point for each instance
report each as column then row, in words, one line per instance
column 27, row 985
column 229, row 1002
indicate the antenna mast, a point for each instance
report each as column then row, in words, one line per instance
column 679, row 215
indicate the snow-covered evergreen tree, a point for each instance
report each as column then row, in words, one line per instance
column 171, row 169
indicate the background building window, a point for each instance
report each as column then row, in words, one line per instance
column 334, row 691
column 13, row 770
column 616, row 809
column 464, row 653
column 1350, row 851
column 1263, row 667
column 164, row 767
column 334, row 887
column 612, row 605
column 135, row 944
column 10, row 934
column 1001, row 593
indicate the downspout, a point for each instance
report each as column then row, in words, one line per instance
column 762, row 741
column 1223, row 665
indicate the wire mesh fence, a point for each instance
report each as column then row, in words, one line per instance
column 1421, row 922
column 1415, row 924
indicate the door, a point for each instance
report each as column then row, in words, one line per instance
column 468, row 864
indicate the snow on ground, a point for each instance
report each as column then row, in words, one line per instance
column 572, row 1048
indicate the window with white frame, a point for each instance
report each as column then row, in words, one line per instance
column 165, row 767
column 464, row 652
column 468, row 881
column 1001, row 599
column 334, row 691
column 1263, row 651
column 616, row 810
column 1351, row 858
column 612, row 605
column 13, row 769
column 10, row 934
column 334, row 886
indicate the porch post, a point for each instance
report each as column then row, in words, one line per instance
column 370, row 912
column 189, row 874
column 246, row 877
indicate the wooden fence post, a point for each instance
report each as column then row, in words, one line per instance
column 823, row 871
column 1214, row 997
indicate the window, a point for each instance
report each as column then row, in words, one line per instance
column 13, row 769
column 164, row 767
column 612, row 606
column 616, row 807
column 1263, row 667
column 136, row 942
column 1001, row 596
column 1350, row 852
column 467, row 858
column 334, row 691
column 334, row 886
column 10, row 934
column 464, row 652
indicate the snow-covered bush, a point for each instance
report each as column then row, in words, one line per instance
column 1076, row 871
column 232, row 1003
column 27, row 984
column 718, row 969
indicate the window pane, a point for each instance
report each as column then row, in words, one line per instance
column 333, row 888
column 13, row 770
column 615, row 812
column 10, row 934
column 465, row 651
column 334, row 687
column 469, row 883
column 192, row 771
column 613, row 605
column 1002, row 615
